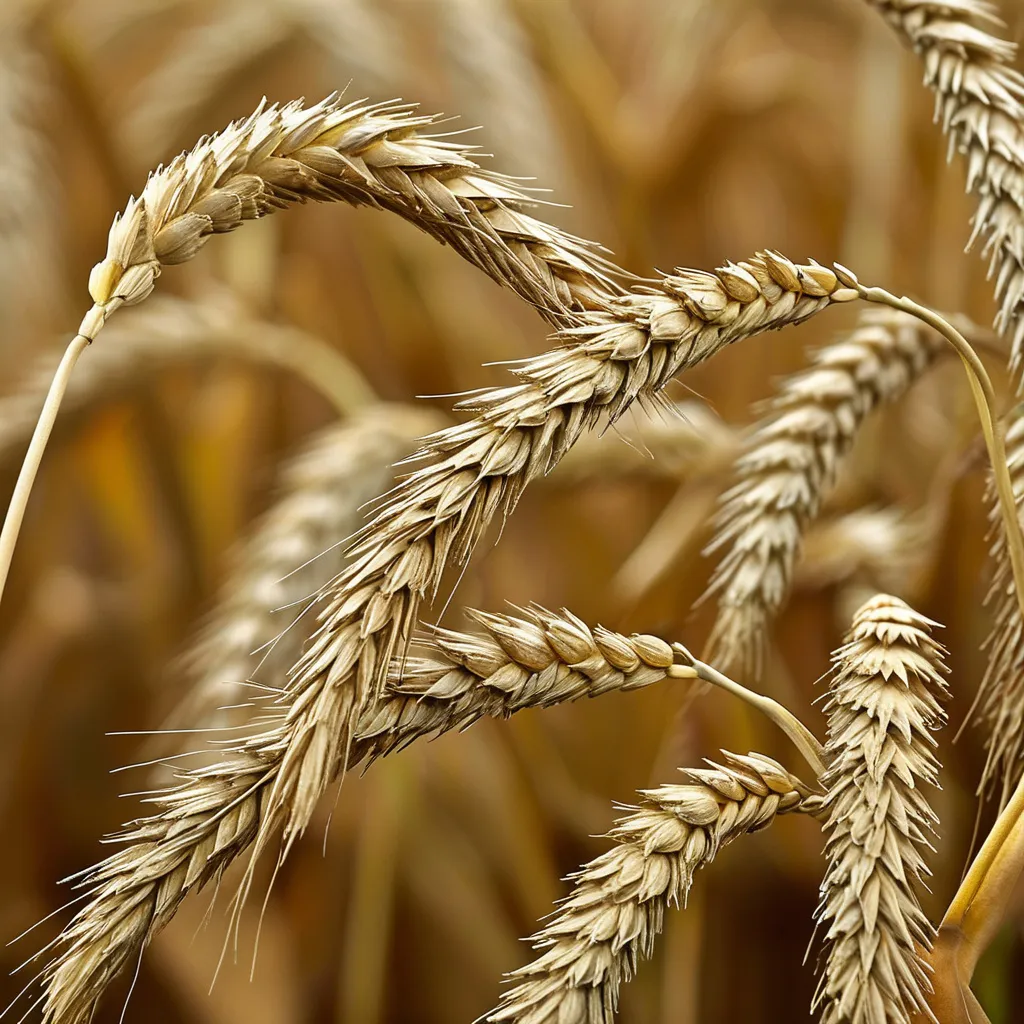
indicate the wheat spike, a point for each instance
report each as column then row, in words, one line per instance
column 979, row 100
column 363, row 154
column 790, row 462
column 616, row 910
column 883, row 706
column 254, row 632
column 1000, row 698
column 536, row 660
column 169, row 331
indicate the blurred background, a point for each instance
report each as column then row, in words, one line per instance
column 682, row 133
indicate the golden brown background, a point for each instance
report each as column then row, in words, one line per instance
column 682, row 132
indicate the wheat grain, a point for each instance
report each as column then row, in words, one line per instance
column 979, row 100
column 884, row 705
column 169, row 331
column 611, row 919
column 536, row 660
column 292, row 552
column 790, row 461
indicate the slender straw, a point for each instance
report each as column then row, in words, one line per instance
column 90, row 325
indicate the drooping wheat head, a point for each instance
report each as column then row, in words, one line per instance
column 536, row 660
column 610, row 921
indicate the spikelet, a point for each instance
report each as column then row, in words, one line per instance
column 790, row 462
column 616, row 910
column 979, row 100
column 883, row 706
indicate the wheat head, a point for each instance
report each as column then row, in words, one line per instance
column 979, row 100
column 884, row 704
column 1000, row 700
column 789, row 463
column 359, row 153
column 536, row 660
column 609, row 922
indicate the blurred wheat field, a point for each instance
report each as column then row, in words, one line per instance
column 682, row 133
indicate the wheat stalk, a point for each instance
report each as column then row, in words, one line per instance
column 291, row 553
column 791, row 460
column 536, row 660
column 172, row 331
column 979, row 99
column 611, row 919
column 884, row 705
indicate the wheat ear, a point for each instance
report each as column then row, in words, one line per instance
column 1000, row 699
column 883, row 706
column 535, row 660
column 611, row 919
column 254, row 633
column 790, row 462
column 979, row 99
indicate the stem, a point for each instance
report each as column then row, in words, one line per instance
column 978, row 907
column 88, row 330
column 802, row 737
column 985, row 400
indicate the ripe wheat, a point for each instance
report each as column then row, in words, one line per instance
column 884, row 705
column 790, row 462
column 979, row 100
column 616, row 910
column 206, row 822
column 1000, row 699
